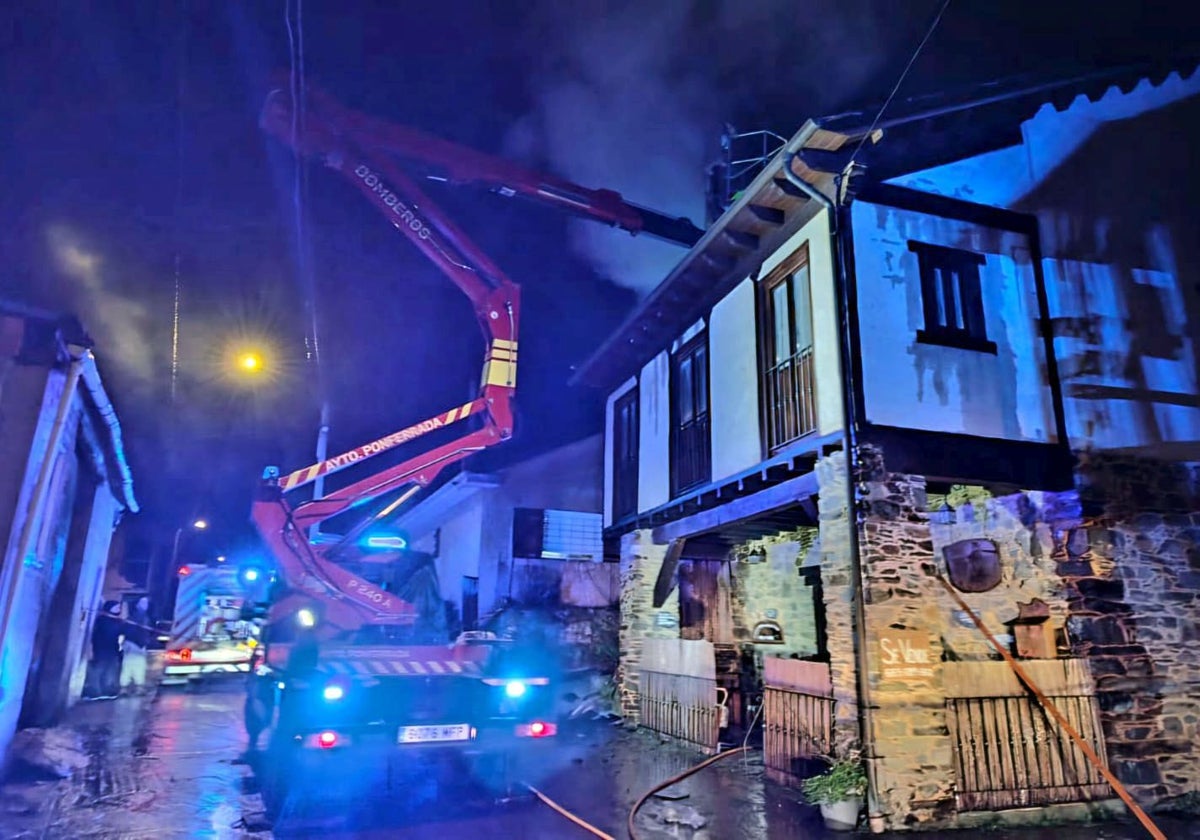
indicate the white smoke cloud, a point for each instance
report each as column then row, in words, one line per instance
column 631, row 96
column 122, row 324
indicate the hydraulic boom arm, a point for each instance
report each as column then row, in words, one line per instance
column 364, row 150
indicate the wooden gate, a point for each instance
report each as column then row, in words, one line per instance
column 678, row 691
column 797, row 715
column 1008, row 752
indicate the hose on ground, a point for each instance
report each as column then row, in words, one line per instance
column 674, row 780
column 579, row 822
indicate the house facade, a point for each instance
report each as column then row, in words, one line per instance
column 522, row 548
column 64, row 488
column 901, row 413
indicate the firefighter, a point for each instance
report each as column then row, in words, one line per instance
column 106, row 650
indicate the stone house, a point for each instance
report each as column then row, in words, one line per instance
column 523, row 545
column 924, row 391
column 64, row 487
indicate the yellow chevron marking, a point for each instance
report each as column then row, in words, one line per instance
column 454, row 667
column 436, row 667
column 417, row 667
column 505, row 343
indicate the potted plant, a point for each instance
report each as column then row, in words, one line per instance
column 839, row 792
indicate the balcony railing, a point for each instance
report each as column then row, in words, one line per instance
column 791, row 399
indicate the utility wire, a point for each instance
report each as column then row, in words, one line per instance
column 911, row 61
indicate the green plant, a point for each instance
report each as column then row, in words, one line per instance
column 845, row 779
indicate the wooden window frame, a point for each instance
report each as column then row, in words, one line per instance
column 690, row 348
column 955, row 273
column 782, row 273
column 625, row 483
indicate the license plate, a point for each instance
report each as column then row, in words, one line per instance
column 428, row 734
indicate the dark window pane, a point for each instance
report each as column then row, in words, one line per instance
column 701, row 373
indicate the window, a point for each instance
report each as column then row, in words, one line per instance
column 549, row 534
column 789, row 382
column 625, row 455
column 951, row 297
column 691, row 455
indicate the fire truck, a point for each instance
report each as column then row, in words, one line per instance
column 210, row 634
column 348, row 668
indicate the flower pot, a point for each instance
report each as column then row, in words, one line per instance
column 843, row 815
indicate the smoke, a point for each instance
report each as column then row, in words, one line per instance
column 631, row 96
column 122, row 324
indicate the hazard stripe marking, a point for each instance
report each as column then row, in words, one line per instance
column 436, row 667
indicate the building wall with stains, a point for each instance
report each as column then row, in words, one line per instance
column 914, row 382
column 58, row 511
column 1113, row 186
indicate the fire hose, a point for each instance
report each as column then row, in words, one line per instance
column 1058, row 716
column 633, row 835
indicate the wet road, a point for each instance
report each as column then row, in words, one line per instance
column 171, row 769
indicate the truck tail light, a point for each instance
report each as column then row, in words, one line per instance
column 326, row 739
column 184, row 655
column 537, row 729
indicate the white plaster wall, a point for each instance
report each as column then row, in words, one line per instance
column 1102, row 364
column 654, row 454
column 734, row 383
column 608, row 447
column 826, row 357
column 459, row 547
column 927, row 386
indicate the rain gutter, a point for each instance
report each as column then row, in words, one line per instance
column 834, row 211
column 104, row 407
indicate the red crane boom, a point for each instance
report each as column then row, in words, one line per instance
column 367, row 152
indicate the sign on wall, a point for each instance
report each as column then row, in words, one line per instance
column 905, row 655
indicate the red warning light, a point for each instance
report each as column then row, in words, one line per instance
column 184, row 571
column 327, row 739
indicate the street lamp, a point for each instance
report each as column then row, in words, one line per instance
column 199, row 525
column 250, row 362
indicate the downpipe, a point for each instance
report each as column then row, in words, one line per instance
column 833, row 209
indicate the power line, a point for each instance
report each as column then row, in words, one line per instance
column 911, row 61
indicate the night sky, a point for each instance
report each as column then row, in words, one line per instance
column 132, row 154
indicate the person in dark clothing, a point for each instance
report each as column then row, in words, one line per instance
column 106, row 650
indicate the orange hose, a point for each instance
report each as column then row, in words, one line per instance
column 679, row 778
column 1049, row 706
column 586, row 826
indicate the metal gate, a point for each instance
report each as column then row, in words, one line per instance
column 678, row 691
column 797, row 715
column 1008, row 752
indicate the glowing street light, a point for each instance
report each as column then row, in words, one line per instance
column 250, row 362
column 199, row 524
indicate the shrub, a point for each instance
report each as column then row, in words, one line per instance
column 845, row 779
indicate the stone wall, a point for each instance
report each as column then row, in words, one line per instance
column 1133, row 583
column 1117, row 563
column 772, row 590
column 641, row 561
column 834, row 548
